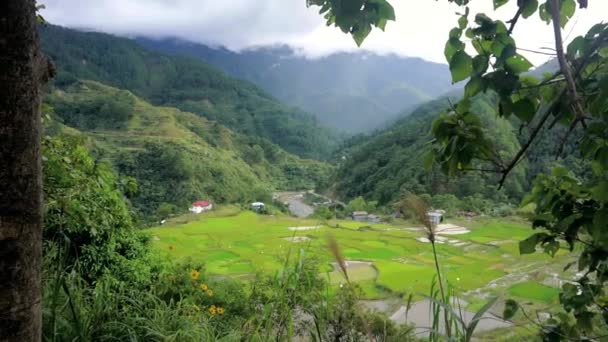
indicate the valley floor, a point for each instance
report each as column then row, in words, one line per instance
column 388, row 260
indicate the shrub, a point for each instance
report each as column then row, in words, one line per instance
column 448, row 202
column 323, row 212
column 86, row 214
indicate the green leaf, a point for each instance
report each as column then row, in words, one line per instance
column 505, row 107
column 510, row 309
column 551, row 247
column 518, row 64
column 528, row 246
column 473, row 87
column 559, row 172
column 463, row 22
column 469, row 33
column 543, row 12
column 501, row 43
column 602, row 156
column 584, row 320
column 528, row 8
column 529, row 80
column 482, row 46
column 584, row 261
column 461, row 66
column 499, row 3
column 381, row 24
column 575, row 47
column 600, row 192
column 478, row 317
column 480, row 64
column 360, row 34
column 428, row 160
column 455, row 32
column 524, row 109
column 601, row 100
column 386, row 11
column 452, row 46
column 566, row 12
column 600, row 222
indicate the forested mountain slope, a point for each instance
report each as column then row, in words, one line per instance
column 186, row 83
column 383, row 166
column 175, row 156
column 355, row 92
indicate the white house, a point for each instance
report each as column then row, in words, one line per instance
column 200, row 206
column 434, row 217
column 359, row 215
column 257, row 206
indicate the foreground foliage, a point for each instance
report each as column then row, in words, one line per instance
column 569, row 210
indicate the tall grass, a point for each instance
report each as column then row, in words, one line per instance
column 443, row 304
column 420, row 210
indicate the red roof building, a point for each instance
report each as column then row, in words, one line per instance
column 201, row 204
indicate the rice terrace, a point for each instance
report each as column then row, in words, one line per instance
column 389, row 261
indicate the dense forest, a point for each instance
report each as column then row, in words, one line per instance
column 187, row 84
column 354, row 92
column 391, row 162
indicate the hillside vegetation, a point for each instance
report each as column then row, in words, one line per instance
column 355, row 92
column 184, row 83
column 388, row 163
column 175, row 156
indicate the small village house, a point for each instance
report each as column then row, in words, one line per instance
column 359, row 216
column 257, row 206
column 200, row 206
column 434, row 217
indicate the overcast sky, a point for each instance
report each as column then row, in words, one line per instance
column 420, row 30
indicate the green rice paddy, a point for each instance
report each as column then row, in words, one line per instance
column 240, row 243
column 534, row 291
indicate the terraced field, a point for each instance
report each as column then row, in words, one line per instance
column 385, row 259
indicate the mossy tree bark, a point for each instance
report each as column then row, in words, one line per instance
column 23, row 71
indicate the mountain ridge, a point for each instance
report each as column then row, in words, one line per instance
column 185, row 83
column 353, row 91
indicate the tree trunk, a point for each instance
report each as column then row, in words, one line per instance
column 23, row 70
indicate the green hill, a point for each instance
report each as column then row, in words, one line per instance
column 384, row 165
column 185, row 83
column 175, row 156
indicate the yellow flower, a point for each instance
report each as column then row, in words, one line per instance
column 209, row 293
column 220, row 311
column 204, row 287
column 212, row 310
column 194, row 274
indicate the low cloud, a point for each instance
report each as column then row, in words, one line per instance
column 420, row 30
